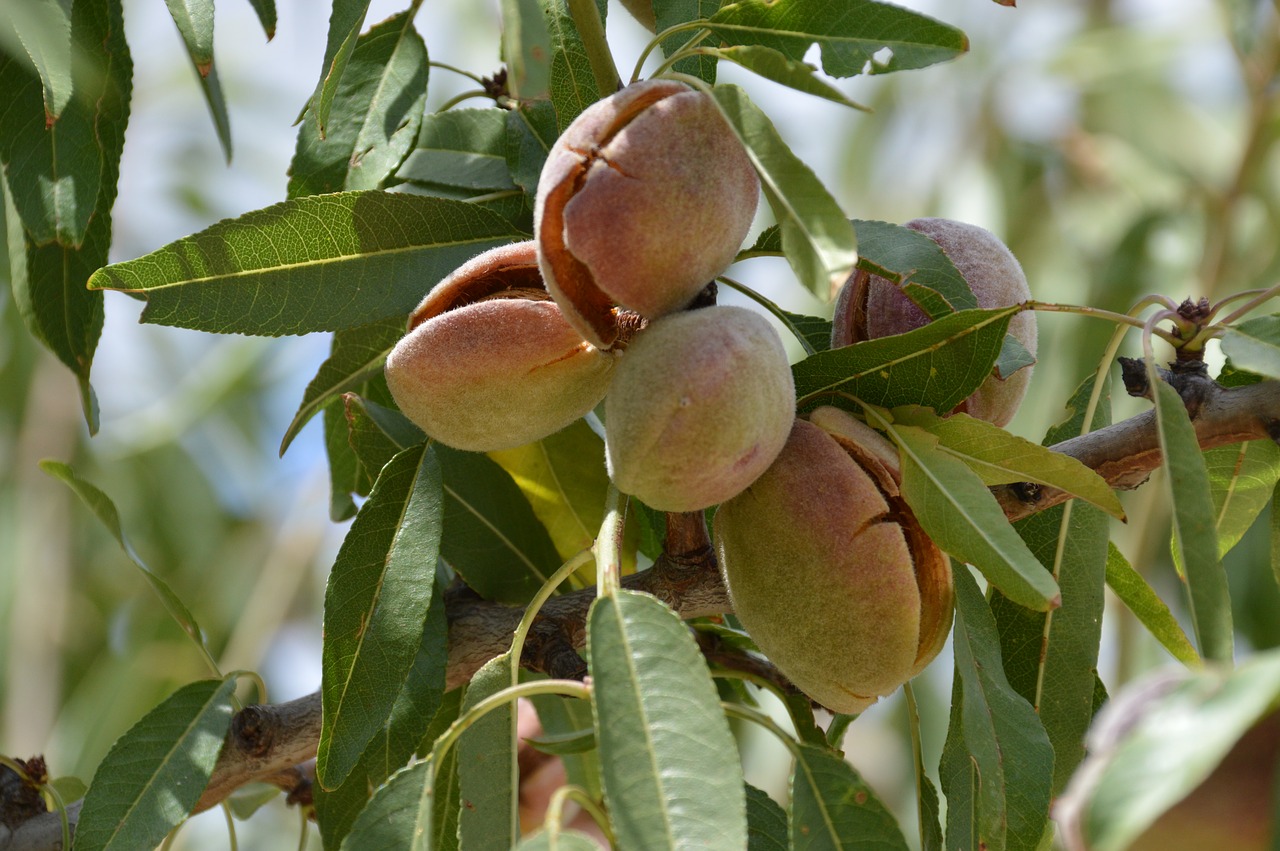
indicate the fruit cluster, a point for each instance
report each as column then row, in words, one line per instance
column 645, row 199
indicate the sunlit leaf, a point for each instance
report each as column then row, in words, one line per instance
column 492, row 538
column 938, row 365
column 155, row 773
column 42, row 30
column 999, row 457
column 1254, row 345
column 374, row 116
column 376, row 606
column 527, row 48
column 1152, row 612
column 311, row 264
column 345, row 22
column 671, row 773
column 833, row 808
column 817, row 239
column 573, row 82
column 487, row 771
column 854, row 37
column 1194, row 522
column 194, row 19
column 775, row 66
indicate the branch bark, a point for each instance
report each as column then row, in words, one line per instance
column 271, row 742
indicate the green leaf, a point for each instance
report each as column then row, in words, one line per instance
column 775, row 66
column 957, row 511
column 572, row 83
column 1148, row 608
column 211, row 86
column 914, row 262
column 937, row 366
column 462, row 148
column 373, row 446
column 1193, row 522
column 420, row 699
column 833, row 808
column 1242, row 477
column 526, row 47
column 813, row 331
column 565, row 840
column 311, row 264
column 1013, row 357
column 345, row 22
column 1275, row 533
column 851, row 35
column 195, row 23
column 1009, row 768
column 564, row 744
column 1051, row 659
column 564, row 716
column 399, row 814
column 672, row 777
column 266, row 12
column 492, row 537
column 999, row 457
column 766, row 822
column 42, row 31
column 531, row 131
column 1174, row 746
column 105, row 510
column 155, row 773
column 356, row 355
column 346, row 474
column 1254, row 345
column 487, row 771
column 817, row 239
column 374, row 117
column 670, row 13
column 376, row 606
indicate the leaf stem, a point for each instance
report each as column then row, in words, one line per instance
column 657, row 40
column 475, row 78
column 774, row 310
column 553, row 822
column 1259, row 297
column 535, row 605
column 460, row 97
column 570, row 688
column 737, row 710
column 608, row 546
column 690, row 48
column 586, row 18
column 1118, row 318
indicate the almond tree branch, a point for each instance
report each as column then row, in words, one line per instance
column 271, row 742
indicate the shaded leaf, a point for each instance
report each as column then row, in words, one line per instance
column 566, row 716
column 766, row 822
column 155, row 773
column 959, row 513
column 1148, row 608
column 311, row 264
column 1242, row 477
column 833, row 808
column 487, row 772
column 372, row 441
column 937, row 366
column 527, row 49
column 572, row 83
column 817, row 239
column 399, row 814
column 999, row 457
column 374, row 117
column 1013, row 357
column 42, row 30
column 670, row 13
column 564, row 744
column 1254, row 345
column 565, row 840
column 376, row 605
column 266, row 12
column 852, row 36
column 531, row 131
column 1193, row 522
column 492, row 537
column 775, row 66
column 672, row 777
column 1002, row 792
column 462, row 148
column 345, row 22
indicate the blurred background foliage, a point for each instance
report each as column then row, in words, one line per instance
column 1120, row 147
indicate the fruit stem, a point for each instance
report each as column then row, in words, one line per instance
column 586, row 18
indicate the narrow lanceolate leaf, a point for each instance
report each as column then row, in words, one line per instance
column 310, row 264
column 564, row 840
column 1193, row 523
column 1242, row 477
column 266, row 12
column 488, row 775
column 1254, row 345
column 775, row 66
column 375, row 607
column 195, row 23
column 399, row 814
column 42, row 30
column 817, row 239
column 461, row 148
column 211, row 86
column 492, row 537
column 937, row 366
column 833, row 808
column 813, row 332
column 1174, row 746
column 1146, row 605
column 345, row 22
column 1005, row 779
column 957, row 511
column 355, row 356
column 1051, row 658
column 155, row 773
column 766, row 822
column 372, row 446
column 670, row 13
column 60, row 186
column 1275, row 533
column 526, row 46
column 999, row 457
column 914, row 262
column 531, row 131
column 851, row 36
column 572, row 82
column 565, row 716
column 374, row 117
column 105, row 510
column 672, row 778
